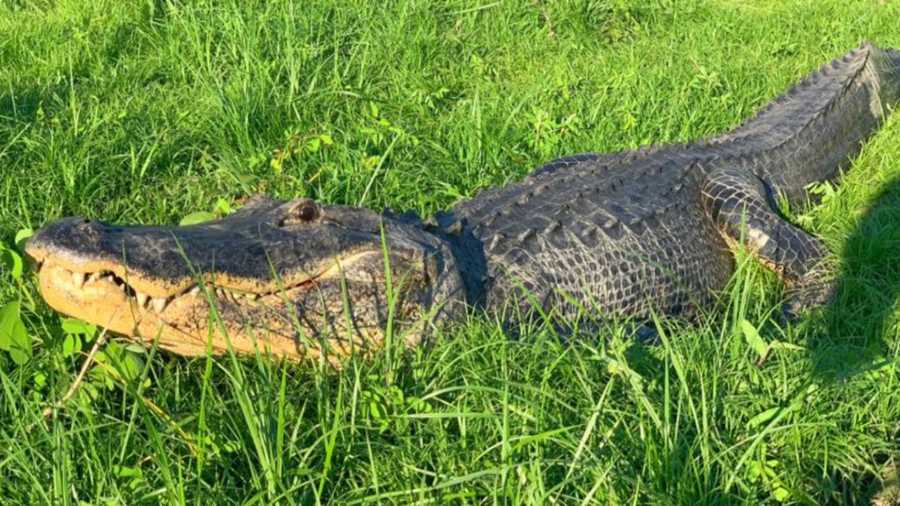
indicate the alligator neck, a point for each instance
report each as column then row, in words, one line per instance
column 468, row 254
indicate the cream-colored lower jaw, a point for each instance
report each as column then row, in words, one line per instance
column 102, row 303
column 159, row 291
column 181, row 325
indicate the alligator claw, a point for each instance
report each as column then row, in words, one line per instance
column 803, row 299
column 647, row 334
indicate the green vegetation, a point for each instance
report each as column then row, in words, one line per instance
column 156, row 110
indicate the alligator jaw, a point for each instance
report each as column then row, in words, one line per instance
column 180, row 320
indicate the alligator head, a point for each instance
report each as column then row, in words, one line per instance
column 293, row 278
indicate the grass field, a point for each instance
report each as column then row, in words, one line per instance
column 150, row 110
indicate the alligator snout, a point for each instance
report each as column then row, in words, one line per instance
column 72, row 241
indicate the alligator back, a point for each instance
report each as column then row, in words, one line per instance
column 621, row 238
column 629, row 232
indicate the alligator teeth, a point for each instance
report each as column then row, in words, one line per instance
column 252, row 296
column 142, row 299
column 94, row 277
column 78, row 279
column 159, row 304
column 195, row 291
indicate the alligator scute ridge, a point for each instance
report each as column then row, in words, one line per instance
column 630, row 233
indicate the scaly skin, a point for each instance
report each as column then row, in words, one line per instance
column 621, row 234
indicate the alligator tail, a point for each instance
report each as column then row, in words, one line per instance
column 888, row 67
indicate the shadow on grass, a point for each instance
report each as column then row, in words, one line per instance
column 852, row 339
column 855, row 333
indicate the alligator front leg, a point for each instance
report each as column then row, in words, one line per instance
column 737, row 202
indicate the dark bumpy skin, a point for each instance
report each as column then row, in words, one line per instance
column 622, row 234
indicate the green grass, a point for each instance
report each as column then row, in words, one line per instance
column 146, row 111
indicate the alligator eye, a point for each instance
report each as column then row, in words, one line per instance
column 304, row 211
column 307, row 213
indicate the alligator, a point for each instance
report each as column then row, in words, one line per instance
column 623, row 235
